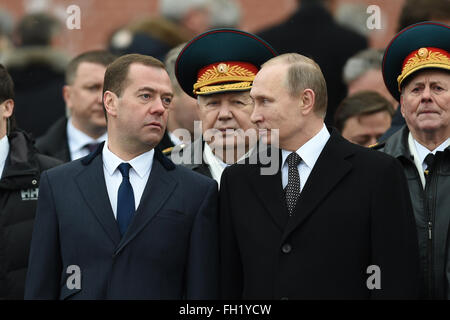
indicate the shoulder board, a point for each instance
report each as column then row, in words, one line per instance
column 378, row 145
column 167, row 151
column 170, row 149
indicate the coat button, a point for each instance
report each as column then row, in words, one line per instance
column 34, row 182
column 286, row 248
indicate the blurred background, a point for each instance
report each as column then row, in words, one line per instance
column 100, row 18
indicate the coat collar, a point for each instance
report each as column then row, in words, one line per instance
column 21, row 165
column 330, row 168
column 154, row 196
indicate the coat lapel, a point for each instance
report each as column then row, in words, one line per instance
column 157, row 191
column 91, row 183
column 330, row 168
column 270, row 192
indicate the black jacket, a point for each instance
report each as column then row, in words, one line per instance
column 191, row 156
column 432, row 212
column 312, row 32
column 19, row 188
column 54, row 142
column 38, row 75
column 353, row 212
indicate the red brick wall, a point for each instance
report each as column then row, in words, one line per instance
column 99, row 18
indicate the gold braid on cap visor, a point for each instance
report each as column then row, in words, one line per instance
column 225, row 76
column 423, row 58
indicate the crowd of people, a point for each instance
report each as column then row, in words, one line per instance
column 188, row 161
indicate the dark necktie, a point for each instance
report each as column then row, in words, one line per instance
column 293, row 186
column 91, row 146
column 429, row 160
column 125, row 199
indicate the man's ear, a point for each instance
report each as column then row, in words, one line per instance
column 308, row 99
column 66, row 92
column 8, row 108
column 111, row 102
column 401, row 105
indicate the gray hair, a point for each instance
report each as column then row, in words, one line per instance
column 304, row 73
column 362, row 62
column 225, row 14
column 175, row 10
column 170, row 60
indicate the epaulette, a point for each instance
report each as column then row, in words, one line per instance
column 377, row 146
column 169, row 150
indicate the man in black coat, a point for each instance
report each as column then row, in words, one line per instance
column 416, row 70
column 343, row 226
column 37, row 69
column 312, row 31
column 20, row 169
column 135, row 226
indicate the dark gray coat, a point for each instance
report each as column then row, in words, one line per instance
column 432, row 213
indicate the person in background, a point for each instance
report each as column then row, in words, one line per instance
column 183, row 109
column 416, row 69
column 362, row 72
column 220, row 77
column 20, row 169
column 37, row 68
column 363, row 117
column 77, row 135
column 312, row 31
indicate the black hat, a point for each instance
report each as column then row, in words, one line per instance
column 420, row 46
column 221, row 60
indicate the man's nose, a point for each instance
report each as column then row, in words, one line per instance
column 225, row 112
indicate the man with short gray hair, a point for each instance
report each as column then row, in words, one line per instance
column 328, row 218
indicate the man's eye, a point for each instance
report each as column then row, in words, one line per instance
column 145, row 96
column 93, row 88
column 166, row 101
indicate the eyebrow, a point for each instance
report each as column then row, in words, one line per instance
column 143, row 89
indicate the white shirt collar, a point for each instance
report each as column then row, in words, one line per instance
column 4, row 150
column 174, row 138
column 78, row 139
column 141, row 164
column 422, row 151
column 310, row 151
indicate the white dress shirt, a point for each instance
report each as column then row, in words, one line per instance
column 309, row 153
column 4, row 150
column 174, row 139
column 419, row 152
column 78, row 139
column 139, row 172
column 216, row 166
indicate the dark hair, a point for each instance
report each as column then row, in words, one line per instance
column 101, row 57
column 6, row 85
column 359, row 104
column 37, row 29
column 117, row 72
column 415, row 11
column 7, row 92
